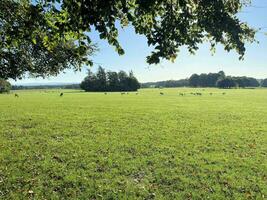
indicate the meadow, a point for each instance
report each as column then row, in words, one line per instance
column 134, row 146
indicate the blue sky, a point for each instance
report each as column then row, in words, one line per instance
column 135, row 46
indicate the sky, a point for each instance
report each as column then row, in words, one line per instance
column 136, row 50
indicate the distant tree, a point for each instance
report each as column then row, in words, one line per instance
column 133, row 83
column 123, row 79
column 253, row 82
column 222, row 74
column 5, row 86
column 110, row 81
column 113, row 81
column 241, row 81
column 227, row 82
column 264, row 83
column 205, row 80
column 212, row 78
column 194, row 80
column 101, row 79
column 246, row 82
column 90, row 82
column 168, row 83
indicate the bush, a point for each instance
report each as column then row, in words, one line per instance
column 5, row 86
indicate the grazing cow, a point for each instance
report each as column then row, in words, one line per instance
column 61, row 94
column 16, row 95
column 161, row 93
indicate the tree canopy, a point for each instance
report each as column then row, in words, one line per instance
column 205, row 80
column 45, row 37
column 226, row 83
column 103, row 81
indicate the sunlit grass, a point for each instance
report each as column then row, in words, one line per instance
column 134, row 146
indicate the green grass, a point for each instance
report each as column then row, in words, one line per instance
column 145, row 146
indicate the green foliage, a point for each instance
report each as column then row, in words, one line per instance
column 264, row 83
column 110, row 81
column 246, row 82
column 32, row 42
column 205, row 80
column 167, row 24
column 227, row 82
column 145, row 146
column 46, row 37
column 5, row 86
column 166, row 84
column 213, row 79
column 56, row 86
column 194, row 80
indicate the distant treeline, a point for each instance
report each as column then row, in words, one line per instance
column 210, row 80
column 167, row 84
column 121, row 81
column 21, row 87
column 109, row 81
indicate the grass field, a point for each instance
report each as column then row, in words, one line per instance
column 145, row 146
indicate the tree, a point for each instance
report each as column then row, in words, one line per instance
column 5, row 86
column 90, row 82
column 264, row 83
column 101, row 79
column 246, row 82
column 133, row 83
column 203, row 80
column 241, row 81
column 212, row 78
column 253, row 82
column 45, row 37
column 226, row 82
column 194, row 80
column 123, row 80
column 113, row 81
column 222, row 74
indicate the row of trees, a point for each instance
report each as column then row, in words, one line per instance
column 210, row 80
column 221, row 80
column 242, row 82
column 167, row 84
column 109, row 81
column 38, row 87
